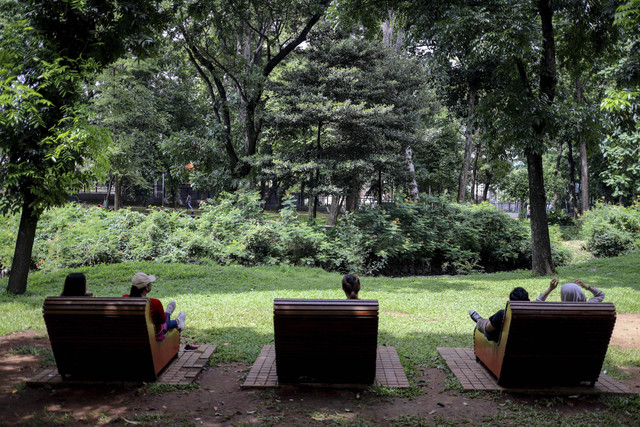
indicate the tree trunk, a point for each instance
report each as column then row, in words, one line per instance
column 413, row 185
column 584, row 165
column 23, row 250
column 541, row 262
column 584, row 176
column 485, row 192
column 464, row 173
column 572, row 181
column 334, row 211
column 353, row 199
column 118, row 190
column 106, row 199
column 379, row 188
column 474, row 190
column 556, row 171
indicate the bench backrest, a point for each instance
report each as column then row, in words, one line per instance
column 325, row 341
column 105, row 338
column 549, row 343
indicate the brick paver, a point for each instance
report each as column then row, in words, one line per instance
column 182, row 370
column 474, row 376
column 389, row 372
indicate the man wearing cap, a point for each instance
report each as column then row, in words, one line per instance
column 141, row 284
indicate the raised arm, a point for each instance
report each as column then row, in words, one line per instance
column 543, row 296
column 598, row 295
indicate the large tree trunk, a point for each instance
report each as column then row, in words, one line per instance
column 468, row 146
column 24, row 247
column 334, row 211
column 353, row 199
column 541, row 262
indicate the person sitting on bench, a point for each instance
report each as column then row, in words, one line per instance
column 351, row 286
column 140, row 287
column 75, row 285
column 571, row 292
column 492, row 326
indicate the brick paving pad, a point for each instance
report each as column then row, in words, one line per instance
column 474, row 376
column 389, row 372
column 181, row 370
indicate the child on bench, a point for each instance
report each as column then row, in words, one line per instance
column 140, row 287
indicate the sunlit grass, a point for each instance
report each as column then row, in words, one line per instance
column 232, row 306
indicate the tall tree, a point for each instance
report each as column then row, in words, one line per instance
column 47, row 49
column 234, row 46
column 621, row 172
column 351, row 109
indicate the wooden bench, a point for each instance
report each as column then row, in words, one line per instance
column 106, row 339
column 548, row 343
column 325, row 341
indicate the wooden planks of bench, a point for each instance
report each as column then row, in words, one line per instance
column 549, row 343
column 326, row 341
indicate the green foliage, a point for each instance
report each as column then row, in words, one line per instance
column 611, row 230
column 559, row 217
column 343, row 111
column 427, row 237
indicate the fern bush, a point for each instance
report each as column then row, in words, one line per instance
column 432, row 236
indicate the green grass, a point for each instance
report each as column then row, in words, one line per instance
column 233, row 305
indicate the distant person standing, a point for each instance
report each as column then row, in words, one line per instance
column 189, row 203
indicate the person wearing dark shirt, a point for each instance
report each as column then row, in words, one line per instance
column 492, row 326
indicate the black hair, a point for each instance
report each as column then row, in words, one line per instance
column 519, row 294
column 135, row 292
column 351, row 286
column 75, row 285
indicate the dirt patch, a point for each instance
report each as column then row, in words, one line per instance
column 626, row 334
column 22, row 355
column 219, row 400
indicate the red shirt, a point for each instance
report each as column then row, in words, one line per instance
column 158, row 316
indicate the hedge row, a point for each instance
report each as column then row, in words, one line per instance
column 405, row 238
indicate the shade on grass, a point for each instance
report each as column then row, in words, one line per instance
column 232, row 306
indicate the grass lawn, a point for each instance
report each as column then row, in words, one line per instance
column 232, row 306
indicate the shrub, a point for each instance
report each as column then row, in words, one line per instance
column 431, row 236
column 610, row 230
column 559, row 217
